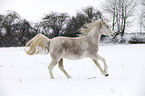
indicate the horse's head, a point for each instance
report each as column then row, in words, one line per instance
column 105, row 29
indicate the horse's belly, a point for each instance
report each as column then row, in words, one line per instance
column 74, row 56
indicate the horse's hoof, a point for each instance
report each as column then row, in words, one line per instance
column 106, row 75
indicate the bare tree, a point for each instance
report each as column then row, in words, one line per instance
column 23, row 32
column 86, row 15
column 120, row 11
column 42, row 27
column 7, row 23
column 143, row 3
column 14, row 31
column 142, row 16
column 55, row 23
column 91, row 13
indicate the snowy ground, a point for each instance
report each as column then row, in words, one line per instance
column 23, row 75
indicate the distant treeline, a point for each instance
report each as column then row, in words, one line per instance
column 15, row 31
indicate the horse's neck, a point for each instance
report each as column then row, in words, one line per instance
column 94, row 35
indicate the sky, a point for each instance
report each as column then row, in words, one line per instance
column 34, row 10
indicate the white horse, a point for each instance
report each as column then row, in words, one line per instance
column 80, row 47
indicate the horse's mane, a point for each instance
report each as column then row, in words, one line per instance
column 88, row 27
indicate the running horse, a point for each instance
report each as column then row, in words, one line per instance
column 86, row 45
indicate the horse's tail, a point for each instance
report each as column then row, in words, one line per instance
column 38, row 44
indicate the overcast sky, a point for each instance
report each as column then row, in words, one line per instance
column 34, row 10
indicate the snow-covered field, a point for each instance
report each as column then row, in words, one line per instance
column 23, row 75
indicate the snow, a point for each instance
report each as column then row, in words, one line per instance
column 23, row 75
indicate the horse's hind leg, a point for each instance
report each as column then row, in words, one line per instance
column 60, row 65
column 51, row 66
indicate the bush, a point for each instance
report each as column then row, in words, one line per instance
column 136, row 40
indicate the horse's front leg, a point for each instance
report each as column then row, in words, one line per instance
column 105, row 65
column 98, row 65
column 98, row 57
